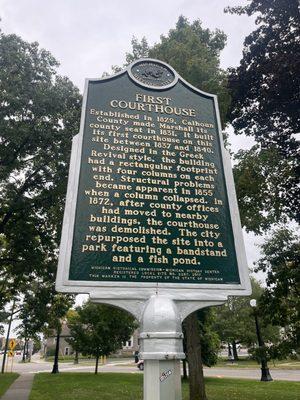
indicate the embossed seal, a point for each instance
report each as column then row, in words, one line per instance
column 153, row 74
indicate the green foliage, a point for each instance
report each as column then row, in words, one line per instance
column 50, row 352
column 265, row 105
column 42, row 310
column 280, row 302
column 3, row 319
column 37, row 345
column 39, row 114
column 209, row 339
column 235, row 321
column 261, row 178
column 99, row 329
column 265, row 87
column 207, row 336
column 194, row 53
column 139, row 50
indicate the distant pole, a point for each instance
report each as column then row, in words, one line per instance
column 7, row 337
column 265, row 372
column 24, row 351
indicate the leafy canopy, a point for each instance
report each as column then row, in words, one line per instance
column 194, row 52
column 235, row 322
column 99, row 329
column 280, row 302
column 265, row 104
column 265, row 87
column 262, row 178
column 39, row 114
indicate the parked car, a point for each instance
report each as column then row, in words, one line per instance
column 140, row 365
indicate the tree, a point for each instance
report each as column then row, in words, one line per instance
column 42, row 311
column 39, row 114
column 261, row 177
column 209, row 339
column 234, row 322
column 24, row 331
column 265, row 102
column 3, row 320
column 280, row 302
column 57, row 311
column 193, row 346
column 99, row 329
column 139, row 50
column 194, row 52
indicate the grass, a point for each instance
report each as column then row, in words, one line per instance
column 248, row 363
column 88, row 360
column 111, row 386
column 243, row 362
column 5, row 381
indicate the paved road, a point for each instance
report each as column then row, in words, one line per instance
column 251, row 373
column 123, row 366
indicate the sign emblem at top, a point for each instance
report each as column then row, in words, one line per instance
column 153, row 74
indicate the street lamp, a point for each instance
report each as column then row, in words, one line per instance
column 265, row 373
column 58, row 333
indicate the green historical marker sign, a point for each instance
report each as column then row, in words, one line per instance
column 150, row 196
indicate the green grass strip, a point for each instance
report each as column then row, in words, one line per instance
column 6, row 380
column 111, row 386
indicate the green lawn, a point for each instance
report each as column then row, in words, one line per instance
column 5, row 381
column 244, row 362
column 248, row 363
column 84, row 360
column 110, row 386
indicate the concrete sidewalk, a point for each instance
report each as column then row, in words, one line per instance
column 20, row 389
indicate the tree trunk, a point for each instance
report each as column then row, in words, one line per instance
column 229, row 351
column 27, row 349
column 234, row 351
column 196, row 379
column 97, row 363
column 76, row 361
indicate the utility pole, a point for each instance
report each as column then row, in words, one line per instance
column 7, row 337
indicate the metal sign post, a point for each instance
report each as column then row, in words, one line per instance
column 151, row 221
column 161, row 349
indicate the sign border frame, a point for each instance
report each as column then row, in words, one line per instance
column 143, row 290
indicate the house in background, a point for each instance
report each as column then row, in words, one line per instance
column 19, row 343
column 49, row 343
column 129, row 347
column 65, row 349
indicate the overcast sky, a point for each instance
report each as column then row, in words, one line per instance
column 88, row 36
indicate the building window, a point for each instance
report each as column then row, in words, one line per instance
column 67, row 351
